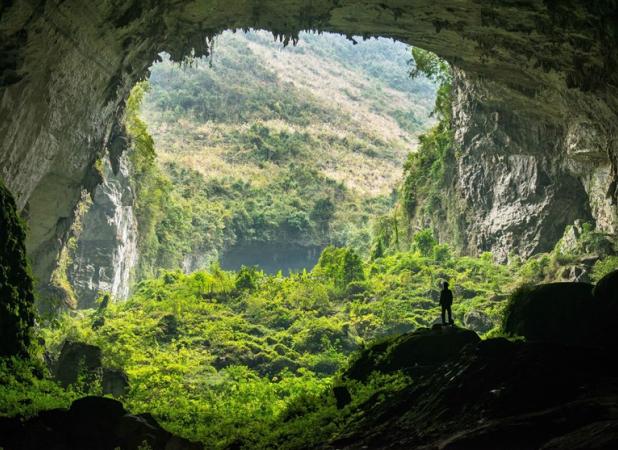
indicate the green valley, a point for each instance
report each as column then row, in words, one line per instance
column 290, row 148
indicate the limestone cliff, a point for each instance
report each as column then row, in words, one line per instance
column 515, row 188
column 106, row 251
column 515, row 181
column 66, row 69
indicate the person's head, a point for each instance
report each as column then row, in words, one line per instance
column 445, row 285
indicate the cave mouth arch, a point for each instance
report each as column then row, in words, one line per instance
column 538, row 71
column 326, row 117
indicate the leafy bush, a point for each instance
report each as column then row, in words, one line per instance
column 604, row 266
column 424, row 242
column 26, row 388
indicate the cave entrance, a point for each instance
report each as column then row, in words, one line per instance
column 528, row 71
column 261, row 155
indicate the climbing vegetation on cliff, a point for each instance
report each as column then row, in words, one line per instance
column 16, row 289
column 427, row 171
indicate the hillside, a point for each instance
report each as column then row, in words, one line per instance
column 297, row 147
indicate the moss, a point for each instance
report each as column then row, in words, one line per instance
column 64, row 295
column 16, row 289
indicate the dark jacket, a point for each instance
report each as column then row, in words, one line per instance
column 446, row 297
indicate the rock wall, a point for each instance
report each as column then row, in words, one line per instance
column 514, row 187
column 67, row 67
column 106, row 252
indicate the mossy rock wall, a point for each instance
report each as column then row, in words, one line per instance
column 16, row 293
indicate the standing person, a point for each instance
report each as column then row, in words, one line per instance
column 446, row 301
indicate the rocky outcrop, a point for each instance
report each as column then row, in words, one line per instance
column 106, row 251
column 606, row 290
column 77, row 359
column 567, row 313
column 66, row 68
column 79, row 362
column 414, row 353
column 95, row 423
column 496, row 394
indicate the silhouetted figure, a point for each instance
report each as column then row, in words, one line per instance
column 446, row 301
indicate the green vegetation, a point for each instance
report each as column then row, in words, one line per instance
column 428, row 171
column 231, row 356
column 579, row 243
column 27, row 388
column 603, row 267
column 264, row 145
column 16, row 290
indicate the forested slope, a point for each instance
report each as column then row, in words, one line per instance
column 293, row 147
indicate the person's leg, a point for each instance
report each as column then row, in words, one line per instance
column 443, row 314
column 450, row 315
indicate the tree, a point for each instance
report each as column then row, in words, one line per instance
column 352, row 267
column 424, row 241
column 16, row 289
column 246, row 278
column 323, row 212
column 378, row 250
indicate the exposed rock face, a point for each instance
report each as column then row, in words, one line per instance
column 67, row 67
column 513, row 181
column 106, row 250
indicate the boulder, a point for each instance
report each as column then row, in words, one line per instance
column 342, row 396
column 114, row 382
column 566, row 313
column 94, row 423
column 478, row 321
column 606, row 289
column 416, row 353
column 76, row 357
column 168, row 326
column 464, row 293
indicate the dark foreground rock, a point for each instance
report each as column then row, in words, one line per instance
column 414, row 353
column 568, row 313
column 93, row 423
column 556, row 390
column 77, row 358
column 82, row 362
column 606, row 290
column 498, row 394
